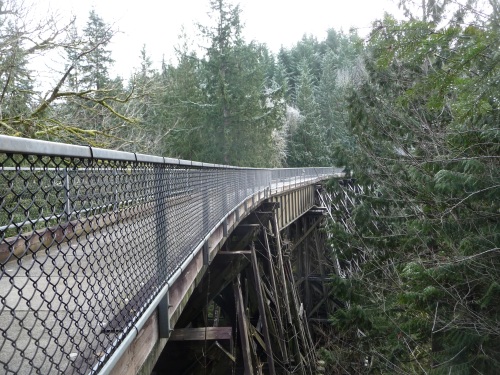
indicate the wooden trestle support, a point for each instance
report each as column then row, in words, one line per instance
column 251, row 312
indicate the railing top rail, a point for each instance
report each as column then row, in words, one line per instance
column 9, row 144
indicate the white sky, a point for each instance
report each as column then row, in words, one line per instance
column 274, row 22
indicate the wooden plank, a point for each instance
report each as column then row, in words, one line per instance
column 133, row 358
column 235, row 252
column 202, row 334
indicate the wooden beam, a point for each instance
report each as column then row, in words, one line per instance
column 262, row 312
column 320, row 261
column 325, row 298
column 242, row 322
column 285, row 281
column 304, row 236
column 202, row 334
column 235, row 252
column 301, row 322
column 281, row 266
column 307, row 265
column 223, row 272
column 132, row 361
column 274, row 292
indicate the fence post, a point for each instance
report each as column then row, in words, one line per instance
column 164, row 320
column 67, row 203
column 160, row 223
column 115, row 203
column 225, row 189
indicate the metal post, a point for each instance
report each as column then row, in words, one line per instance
column 115, row 203
column 160, row 223
column 206, row 254
column 67, row 204
column 163, row 318
column 224, row 228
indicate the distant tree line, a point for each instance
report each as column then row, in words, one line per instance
column 232, row 102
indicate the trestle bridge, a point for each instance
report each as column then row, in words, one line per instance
column 123, row 263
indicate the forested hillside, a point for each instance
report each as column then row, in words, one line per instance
column 411, row 111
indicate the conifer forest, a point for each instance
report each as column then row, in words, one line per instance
column 411, row 112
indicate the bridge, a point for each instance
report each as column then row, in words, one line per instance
column 124, row 263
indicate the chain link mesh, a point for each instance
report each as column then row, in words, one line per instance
column 86, row 244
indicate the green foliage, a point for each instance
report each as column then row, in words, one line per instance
column 95, row 65
column 491, row 297
column 424, row 238
column 181, row 110
column 225, row 107
column 316, row 75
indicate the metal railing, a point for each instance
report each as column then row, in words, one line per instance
column 89, row 238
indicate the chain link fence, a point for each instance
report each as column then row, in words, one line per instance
column 89, row 237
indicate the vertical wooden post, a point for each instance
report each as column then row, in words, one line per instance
column 281, row 266
column 284, row 281
column 307, row 268
column 262, row 311
column 281, row 327
column 242, row 321
column 302, row 324
column 320, row 263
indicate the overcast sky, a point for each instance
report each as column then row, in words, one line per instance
column 157, row 24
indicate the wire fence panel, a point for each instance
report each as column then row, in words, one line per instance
column 87, row 242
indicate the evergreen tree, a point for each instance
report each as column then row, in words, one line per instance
column 95, row 64
column 341, row 71
column 183, row 107
column 307, row 51
column 241, row 112
column 15, row 78
column 319, row 74
column 146, row 135
column 424, row 237
column 94, row 101
column 306, row 143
